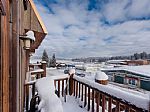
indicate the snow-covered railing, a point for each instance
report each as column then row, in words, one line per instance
column 36, row 68
column 60, row 83
column 28, row 86
column 96, row 96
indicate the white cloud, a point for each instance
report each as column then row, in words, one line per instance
column 76, row 32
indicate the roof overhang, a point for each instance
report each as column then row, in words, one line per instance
column 38, row 16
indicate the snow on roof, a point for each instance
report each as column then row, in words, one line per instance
column 135, row 99
column 116, row 61
column 142, row 70
column 101, row 76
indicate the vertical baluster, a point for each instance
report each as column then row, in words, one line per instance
column 27, row 97
column 33, row 89
column 103, row 103
column 62, row 87
column 128, row 109
column 82, row 93
column 76, row 89
column 117, row 106
column 97, row 101
column 110, row 104
column 88, row 98
column 58, row 88
column 55, row 83
column 92, row 100
column 79, row 89
column 85, row 94
column 67, row 86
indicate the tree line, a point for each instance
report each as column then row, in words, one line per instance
column 51, row 62
column 135, row 56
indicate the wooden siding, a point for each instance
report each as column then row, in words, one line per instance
column 14, row 58
column 4, row 62
column 3, row 7
column 32, row 19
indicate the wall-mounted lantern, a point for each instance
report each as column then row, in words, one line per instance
column 28, row 39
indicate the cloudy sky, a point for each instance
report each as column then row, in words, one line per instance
column 84, row 28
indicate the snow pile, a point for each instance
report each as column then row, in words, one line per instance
column 72, row 71
column 101, row 76
column 49, row 100
column 43, row 62
column 30, row 35
column 135, row 99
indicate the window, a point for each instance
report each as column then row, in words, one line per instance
column 132, row 82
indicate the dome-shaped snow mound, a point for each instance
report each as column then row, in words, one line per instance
column 101, row 76
column 72, row 71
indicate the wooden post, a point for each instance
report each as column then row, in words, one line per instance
column 44, row 68
column 71, row 84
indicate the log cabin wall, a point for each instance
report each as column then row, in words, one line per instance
column 4, row 56
column 14, row 59
column 28, row 20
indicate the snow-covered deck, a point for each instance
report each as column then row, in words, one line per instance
column 84, row 87
column 134, row 97
column 73, row 105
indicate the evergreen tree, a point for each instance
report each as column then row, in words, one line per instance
column 45, row 57
column 52, row 62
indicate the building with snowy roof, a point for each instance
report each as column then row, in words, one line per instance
column 132, row 76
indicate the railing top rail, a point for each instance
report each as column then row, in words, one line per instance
column 35, row 64
column 60, row 77
column 36, row 71
column 30, row 83
column 126, row 98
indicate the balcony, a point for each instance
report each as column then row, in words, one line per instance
column 86, row 95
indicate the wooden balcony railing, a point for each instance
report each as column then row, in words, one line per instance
column 29, row 90
column 92, row 97
column 36, row 68
column 38, row 72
